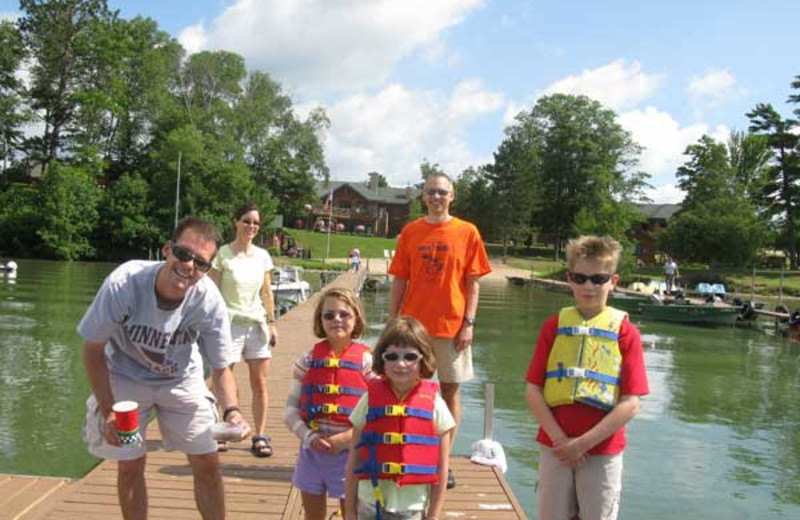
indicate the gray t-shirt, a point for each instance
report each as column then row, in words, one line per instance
column 152, row 345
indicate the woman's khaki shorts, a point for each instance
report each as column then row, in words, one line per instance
column 452, row 366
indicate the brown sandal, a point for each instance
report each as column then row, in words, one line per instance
column 261, row 446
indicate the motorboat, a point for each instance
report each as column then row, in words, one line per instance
column 9, row 267
column 288, row 288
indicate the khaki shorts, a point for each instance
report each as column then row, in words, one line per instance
column 591, row 490
column 185, row 412
column 452, row 366
column 250, row 342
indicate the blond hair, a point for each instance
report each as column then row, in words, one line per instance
column 350, row 299
column 605, row 250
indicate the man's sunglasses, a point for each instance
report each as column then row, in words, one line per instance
column 331, row 315
column 411, row 357
column 442, row 193
column 596, row 279
column 184, row 255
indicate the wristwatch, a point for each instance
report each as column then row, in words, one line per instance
column 469, row 320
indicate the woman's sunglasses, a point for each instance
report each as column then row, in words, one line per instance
column 249, row 222
column 331, row 315
column 184, row 255
column 411, row 357
column 596, row 279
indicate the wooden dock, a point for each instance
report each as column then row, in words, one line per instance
column 255, row 489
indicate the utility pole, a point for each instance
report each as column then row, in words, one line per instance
column 178, row 190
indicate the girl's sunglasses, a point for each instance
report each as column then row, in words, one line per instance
column 411, row 357
column 331, row 315
column 596, row 279
column 184, row 255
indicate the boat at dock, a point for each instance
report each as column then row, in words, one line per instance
column 289, row 289
column 691, row 314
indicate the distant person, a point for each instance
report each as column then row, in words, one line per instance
column 328, row 381
column 144, row 334
column 242, row 271
column 436, row 268
column 670, row 274
column 584, row 383
column 355, row 259
column 418, row 439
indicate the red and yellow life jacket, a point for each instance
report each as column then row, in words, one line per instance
column 399, row 440
column 333, row 385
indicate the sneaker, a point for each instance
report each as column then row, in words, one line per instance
column 451, row 479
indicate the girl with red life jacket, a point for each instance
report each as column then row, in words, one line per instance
column 401, row 432
column 328, row 381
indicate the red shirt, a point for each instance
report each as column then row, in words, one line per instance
column 576, row 419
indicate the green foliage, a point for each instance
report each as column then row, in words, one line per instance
column 128, row 228
column 12, row 114
column 68, row 206
column 415, row 210
column 382, row 182
column 20, row 218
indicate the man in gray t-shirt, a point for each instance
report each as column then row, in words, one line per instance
column 146, row 333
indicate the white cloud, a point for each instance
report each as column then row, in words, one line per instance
column 663, row 139
column 617, row 85
column 318, row 43
column 713, row 89
column 193, row 38
column 666, row 194
column 9, row 17
column 394, row 129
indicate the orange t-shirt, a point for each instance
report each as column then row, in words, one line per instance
column 436, row 260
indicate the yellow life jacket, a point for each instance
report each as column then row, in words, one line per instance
column 585, row 360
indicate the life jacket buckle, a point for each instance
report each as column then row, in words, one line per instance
column 395, row 410
column 393, row 468
column 333, row 362
column 330, row 408
column 330, row 389
column 574, row 372
column 582, row 330
column 393, row 438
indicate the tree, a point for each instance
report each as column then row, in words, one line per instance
column 474, row 200
column 575, row 155
column 12, row 115
column 749, row 157
column 56, row 34
column 129, row 227
column 783, row 173
column 717, row 223
column 68, row 205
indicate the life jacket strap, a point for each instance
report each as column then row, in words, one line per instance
column 397, row 410
column 582, row 330
column 334, row 389
column 334, row 363
column 331, row 409
column 577, row 372
column 369, row 438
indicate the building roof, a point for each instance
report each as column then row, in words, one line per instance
column 387, row 195
column 658, row 211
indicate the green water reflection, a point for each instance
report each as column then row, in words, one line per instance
column 718, row 438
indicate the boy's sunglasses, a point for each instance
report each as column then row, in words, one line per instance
column 331, row 315
column 411, row 357
column 596, row 279
column 184, row 255
column 442, row 193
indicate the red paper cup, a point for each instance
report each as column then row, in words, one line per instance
column 126, row 420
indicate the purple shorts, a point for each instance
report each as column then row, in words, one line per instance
column 318, row 473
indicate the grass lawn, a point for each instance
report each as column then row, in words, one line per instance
column 341, row 244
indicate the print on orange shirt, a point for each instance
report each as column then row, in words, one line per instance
column 435, row 256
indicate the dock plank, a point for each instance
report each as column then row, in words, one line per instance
column 254, row 488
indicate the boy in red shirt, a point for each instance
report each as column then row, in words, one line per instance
column 584, row 383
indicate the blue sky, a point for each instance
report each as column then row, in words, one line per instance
column 404, row 80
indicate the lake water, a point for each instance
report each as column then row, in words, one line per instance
column 718, row 438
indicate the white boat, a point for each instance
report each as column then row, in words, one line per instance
column 288, row 288
column 9, row 267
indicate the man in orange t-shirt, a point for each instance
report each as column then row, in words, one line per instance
column 436, row 268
